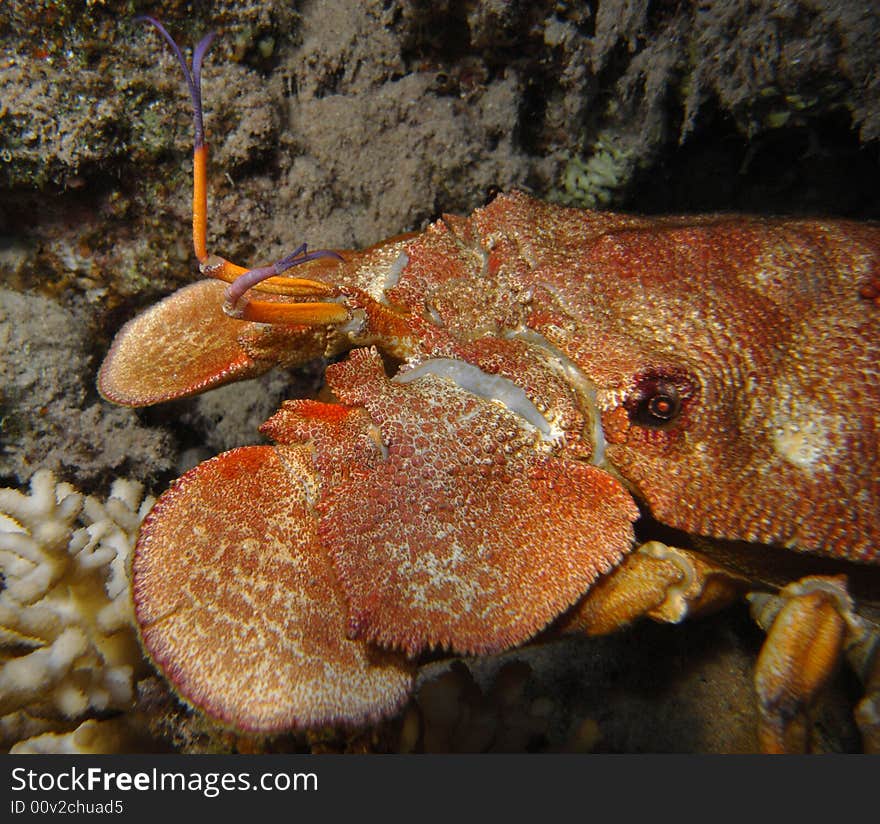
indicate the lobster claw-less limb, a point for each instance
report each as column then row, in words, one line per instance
column 865, row 658
column 655, row 581
column 810, row 624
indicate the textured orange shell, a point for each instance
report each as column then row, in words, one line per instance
column 238, row 604
column 768, row 327
column 413, row 515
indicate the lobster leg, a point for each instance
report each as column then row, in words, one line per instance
column 655, row 581
column 868, row 710
column 809, row 624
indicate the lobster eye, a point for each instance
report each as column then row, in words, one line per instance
column 660, row 397
column 660, row 403
column 663, row 406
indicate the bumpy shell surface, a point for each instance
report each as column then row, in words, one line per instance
column 763, row 330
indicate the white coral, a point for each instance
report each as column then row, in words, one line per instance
column 90, row 737
column 67, row 641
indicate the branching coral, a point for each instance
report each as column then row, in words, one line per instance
column 67, row 643
column 90, row 737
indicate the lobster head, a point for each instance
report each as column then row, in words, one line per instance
column 558, row 366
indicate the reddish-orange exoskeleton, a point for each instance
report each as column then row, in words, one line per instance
column 557, row 367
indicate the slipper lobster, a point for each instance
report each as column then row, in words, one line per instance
column 519, row 398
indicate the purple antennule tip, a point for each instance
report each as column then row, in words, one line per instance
column 302, row 255
column 290, row 260
column 193, row 78
column 199, row 53
column 236, row 290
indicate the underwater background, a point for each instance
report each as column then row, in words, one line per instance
column 340, row 123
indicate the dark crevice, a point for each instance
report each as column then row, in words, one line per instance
column 816, row 169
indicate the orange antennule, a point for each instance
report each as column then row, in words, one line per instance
column 236, row 304
column 200, row 154
column 200, row 202
column 267, row 278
